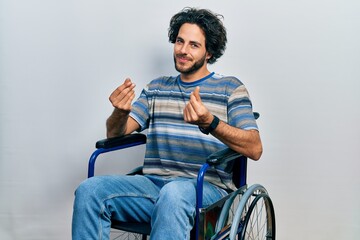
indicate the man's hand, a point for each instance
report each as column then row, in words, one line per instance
column 122, row 97
column 119, row 123
column 195, row 111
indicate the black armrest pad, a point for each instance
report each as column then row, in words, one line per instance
column 222, row 156
column 120, row 141
column 135, row 171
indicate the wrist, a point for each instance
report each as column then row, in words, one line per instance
column 213, row 125
column 119, row 113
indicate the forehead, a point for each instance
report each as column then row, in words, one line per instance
column 191, row 32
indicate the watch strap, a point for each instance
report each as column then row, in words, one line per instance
column 212, row 126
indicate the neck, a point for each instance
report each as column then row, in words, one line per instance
column 192, row 77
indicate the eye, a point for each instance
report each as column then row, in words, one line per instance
column 179, row 40
column 194, row 45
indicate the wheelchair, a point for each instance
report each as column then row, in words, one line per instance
column 244, row 214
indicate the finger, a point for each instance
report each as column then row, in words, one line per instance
column 195, row 103
column 126, row 102
column 124, row 88
column 185, row 113
column 127, row 83
column 127, row 80
column 123, row 99
column 124, row 95
column 190, row 114
column 198, row 111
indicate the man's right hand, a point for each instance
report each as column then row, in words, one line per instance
column 119, row 123
column 122, row 97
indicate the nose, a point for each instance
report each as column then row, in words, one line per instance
column 183, row 49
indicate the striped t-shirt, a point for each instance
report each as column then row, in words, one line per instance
column 176, row 148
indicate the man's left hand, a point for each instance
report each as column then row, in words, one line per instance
column 195, row 111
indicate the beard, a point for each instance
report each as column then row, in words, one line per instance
column 196, row 66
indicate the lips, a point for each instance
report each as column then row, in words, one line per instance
column 182, row 59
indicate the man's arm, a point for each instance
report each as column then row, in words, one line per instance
column 246, row 142
column 119, row 123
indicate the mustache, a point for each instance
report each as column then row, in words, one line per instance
column 182, row 56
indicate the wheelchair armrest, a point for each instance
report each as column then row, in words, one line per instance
column 113, row 144
column 135, row 171
column 121, row 141
column 216, row 158
column 222, row 156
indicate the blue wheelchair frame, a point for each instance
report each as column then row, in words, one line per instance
column 118, row 143
column 250, row 196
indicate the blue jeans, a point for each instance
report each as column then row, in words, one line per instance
column 168, row 203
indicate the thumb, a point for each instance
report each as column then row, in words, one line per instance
column 196, row 93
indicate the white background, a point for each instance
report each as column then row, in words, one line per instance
column 60, row 60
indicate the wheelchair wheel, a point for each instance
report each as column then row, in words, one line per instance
column 122, row 235
column 254, row 217
column 227, row 213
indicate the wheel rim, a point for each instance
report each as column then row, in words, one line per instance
column 259, row 218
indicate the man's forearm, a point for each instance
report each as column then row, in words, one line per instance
column 246, row 142
column 116, row 124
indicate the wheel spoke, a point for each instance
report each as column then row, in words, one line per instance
column 258, row 223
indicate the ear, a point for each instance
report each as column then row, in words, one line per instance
column 208, row 56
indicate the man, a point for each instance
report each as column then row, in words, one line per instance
column 188, row 117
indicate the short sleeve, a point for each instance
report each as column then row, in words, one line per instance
column 140, row 111
column 240, row 113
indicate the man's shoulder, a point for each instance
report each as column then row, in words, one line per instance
column 226, row 82
column 228, row 78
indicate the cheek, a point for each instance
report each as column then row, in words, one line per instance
column 176, row 48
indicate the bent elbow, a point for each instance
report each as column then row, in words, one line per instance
column 256, row 157
column 257, row 152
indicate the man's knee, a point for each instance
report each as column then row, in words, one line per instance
column 85, row 192
column 178, row 193
column 175, row 206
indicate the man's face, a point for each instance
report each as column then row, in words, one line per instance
column 190, row 53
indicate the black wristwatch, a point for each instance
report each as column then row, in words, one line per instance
column 213, row 125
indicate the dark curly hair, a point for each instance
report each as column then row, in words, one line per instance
column 209, row 22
